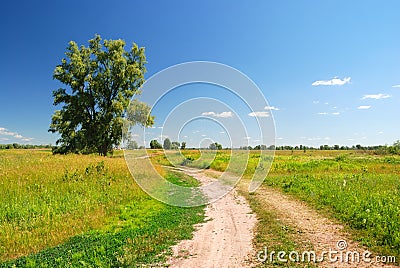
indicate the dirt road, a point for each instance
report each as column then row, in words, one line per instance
column 321, row 232
column 224, row 240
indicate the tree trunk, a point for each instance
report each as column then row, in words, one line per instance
column 103, row 150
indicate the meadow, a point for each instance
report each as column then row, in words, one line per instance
column 83, row 210
column 86, row 210
column 360, row 189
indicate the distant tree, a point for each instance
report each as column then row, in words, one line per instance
column 215, row 146
column 132, row 145
column 167, row 144
column 175, row 145
column 183, row 145
column 100, row 80
column 336, row 147
column 263, row 147
column 212, row 146
column 154, row 144
column 397, row 144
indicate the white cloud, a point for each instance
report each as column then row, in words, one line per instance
column 221, row 115
column 333, row 82
column 380, row 132
column 259, row 114
column 376, row 96
column 396, row 86
column 363, row 107
column 325, row 113
column 315, row 102
column 270, row 108
column 279, row 138
column 204, row 135
column 6, row 132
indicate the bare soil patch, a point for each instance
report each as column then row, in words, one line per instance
column 224, row 240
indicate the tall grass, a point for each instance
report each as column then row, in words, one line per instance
column 362, row 190
column 77, row 210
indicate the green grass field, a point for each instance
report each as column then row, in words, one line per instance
column 85, row 210
column 77, row 210
column 359, row 188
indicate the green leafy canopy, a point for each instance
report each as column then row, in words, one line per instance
column 100, row 81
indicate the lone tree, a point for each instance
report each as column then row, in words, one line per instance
column 167, row 144
column 175, row 145
column 215, row 146
column 154, row 144
column 183, row 145
column 99, row 82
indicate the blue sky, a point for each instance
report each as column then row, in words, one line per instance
column 331, row 68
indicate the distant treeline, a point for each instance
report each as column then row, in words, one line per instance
column 24, row 146
column 379, row 149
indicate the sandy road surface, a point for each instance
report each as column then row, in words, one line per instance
column 321, row 232
column 224, row 240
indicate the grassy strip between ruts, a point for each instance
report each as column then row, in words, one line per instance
column 44, row 191
column 272, row 233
